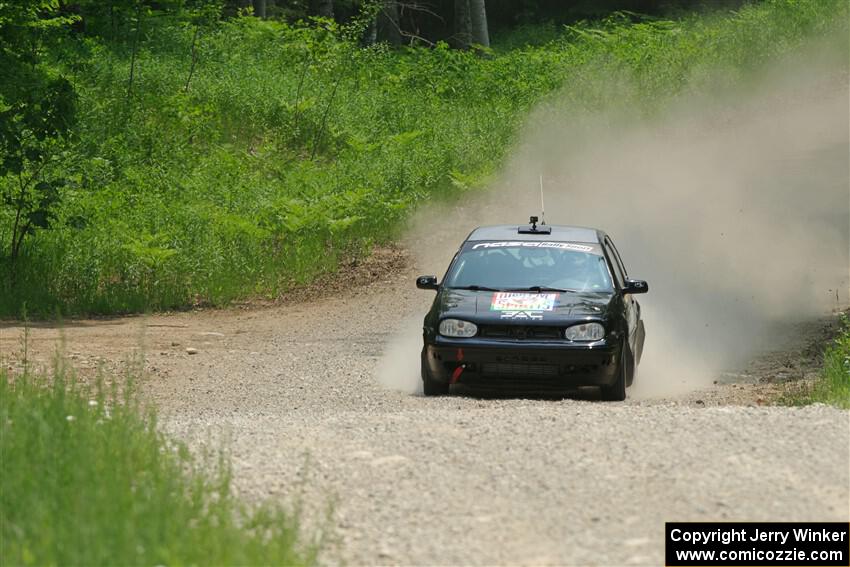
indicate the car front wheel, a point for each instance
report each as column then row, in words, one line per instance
column 432, row 387
column 616, row 392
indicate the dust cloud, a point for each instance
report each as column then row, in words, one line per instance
column 734, row 203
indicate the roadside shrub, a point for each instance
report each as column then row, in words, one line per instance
column 833, row 385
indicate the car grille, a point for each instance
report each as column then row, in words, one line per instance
column 514, row 370
column 521, row 332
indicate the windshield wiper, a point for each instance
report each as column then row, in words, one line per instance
column 476, row 288
column 540, row 289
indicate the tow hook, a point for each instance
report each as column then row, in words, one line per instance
column 456, row 374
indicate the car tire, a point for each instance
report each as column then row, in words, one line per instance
column 431, row 387
column 616, row 392
column 631, row 369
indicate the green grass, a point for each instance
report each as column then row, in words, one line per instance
column 86, row 479
column 293, row 148
column 833, row 385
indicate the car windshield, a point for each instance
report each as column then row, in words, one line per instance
column 530, row 265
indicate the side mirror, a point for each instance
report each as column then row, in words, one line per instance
column 426, row 282
column 635, row 286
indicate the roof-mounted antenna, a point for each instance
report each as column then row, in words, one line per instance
column 542, row 208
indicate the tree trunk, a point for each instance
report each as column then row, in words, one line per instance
column 135, row 50
column 324, row 8
column 463, row 24
column 389, row 29
column 194, row 57
column 260, row 8
column 478, row 17
column 370, row 36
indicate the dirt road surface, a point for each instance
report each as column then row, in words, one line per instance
column 291, row 390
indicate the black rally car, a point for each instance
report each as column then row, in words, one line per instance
column 536, row 308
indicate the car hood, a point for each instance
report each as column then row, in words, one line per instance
column 480, row 306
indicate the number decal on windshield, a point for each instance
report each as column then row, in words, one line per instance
column 507, row 301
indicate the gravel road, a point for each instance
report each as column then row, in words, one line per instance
column 460, row 480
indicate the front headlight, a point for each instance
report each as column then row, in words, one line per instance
column 457, row 328
column 585, row 332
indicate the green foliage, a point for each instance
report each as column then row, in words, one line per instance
column 37, row 110
column 833, row 385
column 86, row 479
column 252, row 155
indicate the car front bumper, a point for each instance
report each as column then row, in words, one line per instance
column 521, row 365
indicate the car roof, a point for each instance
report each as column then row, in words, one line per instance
column 558, row 234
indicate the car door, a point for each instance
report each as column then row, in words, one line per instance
column 632, row 306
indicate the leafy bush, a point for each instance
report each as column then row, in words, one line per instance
column 86, row 479
column 250, row 156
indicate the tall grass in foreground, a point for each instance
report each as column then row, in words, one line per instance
column 86, row 479
column 833, row 385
